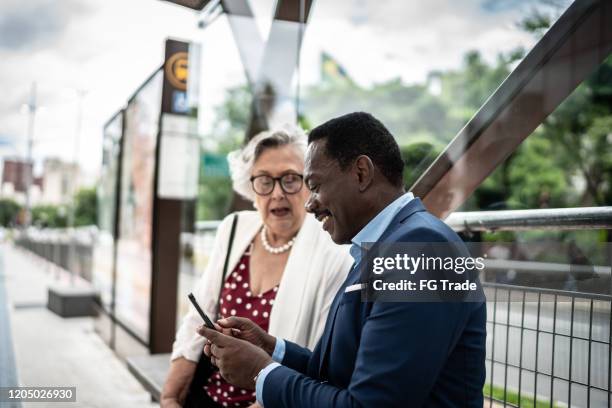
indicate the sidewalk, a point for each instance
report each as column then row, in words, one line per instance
column 52, row 351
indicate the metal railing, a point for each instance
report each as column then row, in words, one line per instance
column 521, row 220
column 70, row 250
column 545, row 347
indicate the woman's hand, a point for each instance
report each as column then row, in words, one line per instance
column 245, row 329
column 255, row 405
column 177, row 383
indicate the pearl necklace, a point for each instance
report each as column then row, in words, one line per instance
column 270, row 248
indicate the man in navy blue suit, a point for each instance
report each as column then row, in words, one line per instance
column 371, row 354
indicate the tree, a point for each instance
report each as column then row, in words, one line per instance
column 227, row 132
column 565, row 163
column 86, row 205
column 9, row 210
column 49, row 216
column 417, row 156
column 579, row 130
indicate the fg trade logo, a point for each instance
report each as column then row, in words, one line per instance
column 177, row 70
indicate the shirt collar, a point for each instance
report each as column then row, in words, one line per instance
column 377, row 225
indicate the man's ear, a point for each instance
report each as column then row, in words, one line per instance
column 364, row 169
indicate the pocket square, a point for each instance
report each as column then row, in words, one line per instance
column 353, row 288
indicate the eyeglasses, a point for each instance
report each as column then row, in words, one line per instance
column 290, row 183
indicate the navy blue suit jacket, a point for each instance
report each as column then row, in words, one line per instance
column 389, row 354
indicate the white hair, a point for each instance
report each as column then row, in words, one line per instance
column 241, row 161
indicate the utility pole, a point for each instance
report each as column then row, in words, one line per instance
column 75, row 169
column 32, row 107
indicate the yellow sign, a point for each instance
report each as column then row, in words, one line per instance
column 177, row 70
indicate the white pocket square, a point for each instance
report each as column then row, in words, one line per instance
column 353, row 288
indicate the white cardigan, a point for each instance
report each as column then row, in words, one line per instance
column 315, row 269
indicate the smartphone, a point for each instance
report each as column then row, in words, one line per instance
column 207, row 321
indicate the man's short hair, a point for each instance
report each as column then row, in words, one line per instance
column 360, row 133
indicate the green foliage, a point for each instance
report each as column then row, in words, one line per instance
column 232, row 119
column 228, row 130
column 409, row 111
column 536, row 23
column 468, row 88
column 417, row 156
column 566, row 162
column 535, row 179
column 9, row 211
column 214, row 196
column 511, row 397
column 539, row 20
column 49, row 216
column 54, row 216
column 86, row 205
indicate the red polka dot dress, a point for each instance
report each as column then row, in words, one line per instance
column 237, row 300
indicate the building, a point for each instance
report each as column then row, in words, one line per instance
column 60, row 180
column 56, row 185
column 15, row 173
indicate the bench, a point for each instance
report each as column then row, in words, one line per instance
column 150, row 371
column 72, row 301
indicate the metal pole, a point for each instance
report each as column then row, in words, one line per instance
column 75, row 166
column 29, row 168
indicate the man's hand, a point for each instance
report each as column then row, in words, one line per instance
column 246, row 329
column 239, row 361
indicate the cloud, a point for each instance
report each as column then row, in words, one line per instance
column 107, row 47
column 407, row 39
column 495, row 6
column 36, row 23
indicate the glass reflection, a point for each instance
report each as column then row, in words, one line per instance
column 136, row 216
column 424, row 69
column 103, row 251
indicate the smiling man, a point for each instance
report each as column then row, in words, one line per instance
column 371, row 354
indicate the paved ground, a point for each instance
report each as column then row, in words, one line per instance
column 51, row 351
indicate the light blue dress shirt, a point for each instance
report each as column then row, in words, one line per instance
column 370, row 233
column 377, row 225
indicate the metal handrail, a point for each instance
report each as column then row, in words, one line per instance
column 207, row 226
column 559, row 219
column 521, row 220
column 545, row 267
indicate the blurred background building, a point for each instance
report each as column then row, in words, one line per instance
column 15, row 176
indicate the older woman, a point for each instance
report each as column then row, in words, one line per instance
column 283, row 268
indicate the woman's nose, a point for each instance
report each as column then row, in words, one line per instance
column 277, row 190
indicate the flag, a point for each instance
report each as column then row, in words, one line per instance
column 331, row 70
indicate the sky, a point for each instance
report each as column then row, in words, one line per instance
column 103, row 48
column 106, row 48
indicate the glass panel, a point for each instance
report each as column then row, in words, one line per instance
column 566, row 260
column 423, row 69
column 136, row 215
column 103, row 251
column 566, row 162
column 223, row 117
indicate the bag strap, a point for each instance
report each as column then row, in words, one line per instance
column 227, row 256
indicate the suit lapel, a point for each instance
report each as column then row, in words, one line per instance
column 331, row 317
column 415, row 205
column 353, row 277
column 398, row 221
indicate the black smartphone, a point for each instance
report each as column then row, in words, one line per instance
column 207, row 321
